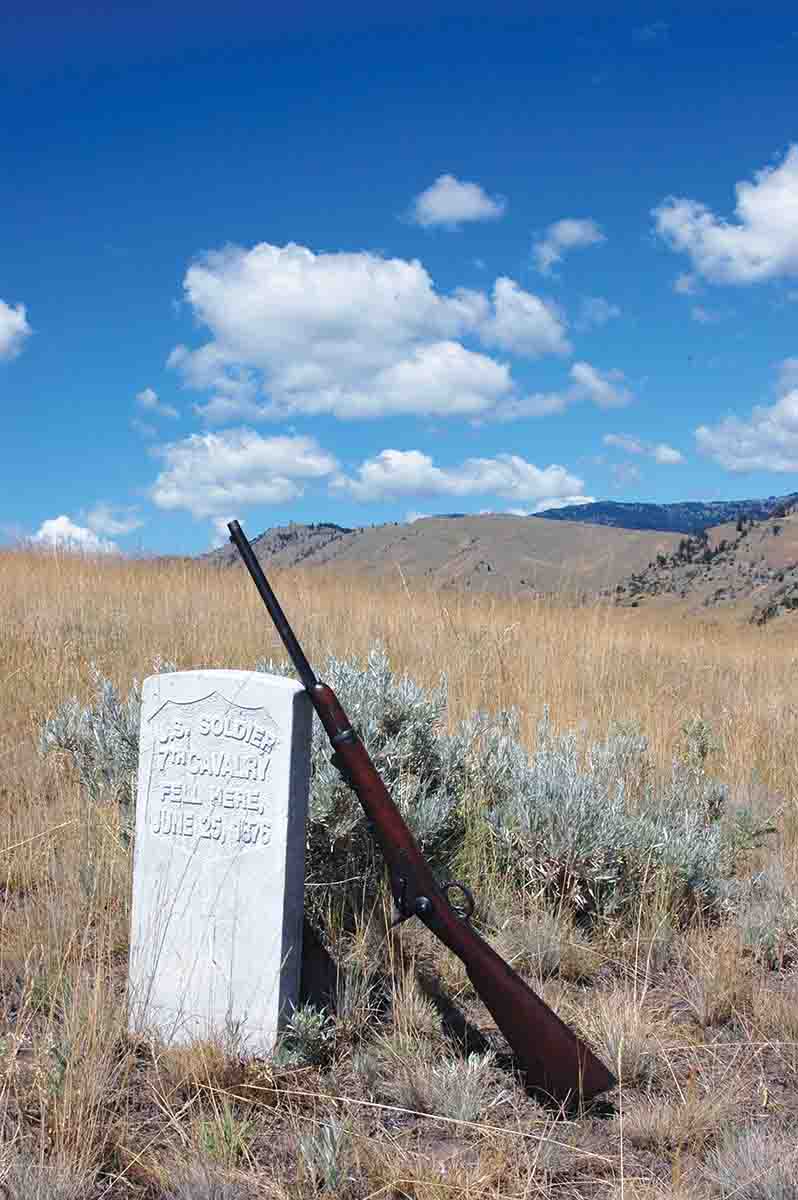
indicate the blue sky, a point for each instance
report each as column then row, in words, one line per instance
column 322, row 265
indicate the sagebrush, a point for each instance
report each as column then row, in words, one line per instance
column 589, row 826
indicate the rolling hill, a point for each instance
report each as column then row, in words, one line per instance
column 484, row 553
column 749, row 565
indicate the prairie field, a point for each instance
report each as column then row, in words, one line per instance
column 677, row 964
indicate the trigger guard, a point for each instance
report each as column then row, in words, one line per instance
column 466, row 913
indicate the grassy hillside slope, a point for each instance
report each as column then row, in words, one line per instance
column 487, row 554
column 752, row 569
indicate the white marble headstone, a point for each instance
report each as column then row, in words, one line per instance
column 218, row 882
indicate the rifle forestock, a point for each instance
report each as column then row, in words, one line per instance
column 411, row 877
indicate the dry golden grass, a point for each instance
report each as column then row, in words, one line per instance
column 678, row 1011
column 593, row 665
column 691, row 1120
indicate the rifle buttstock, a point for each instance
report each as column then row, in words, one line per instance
column 552, row 1058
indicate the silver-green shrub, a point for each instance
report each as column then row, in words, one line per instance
column 308, row 1038
column 206, row 1181
column 565, row 826
column 399, row 723
column 102, row 739
column 754, row 1164
column 26, row 1178
column 326, row 1153
column 765, row 908
column 586, row 827
column 430, row 1082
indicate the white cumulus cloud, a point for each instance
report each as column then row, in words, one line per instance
column 450, row 202
column 60, row 533
column 605, row 389
column 351, row 334
column 623, row 441
column 666, row 455
column 767, row 440
column 213, row 474
column 14, row 329
column 661, row 452
column 535, row 404
column 439, row 378
column 399, row 473
column 221, row 534
column 148, row 400
column 762, row 243
column 523, row 323
column 112, row 520
column 570, row 233
column 685, row 284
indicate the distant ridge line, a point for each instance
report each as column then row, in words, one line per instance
column 683, row 516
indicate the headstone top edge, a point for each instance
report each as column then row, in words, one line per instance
column 224, row 675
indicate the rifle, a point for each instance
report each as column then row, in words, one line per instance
column 553, row 1060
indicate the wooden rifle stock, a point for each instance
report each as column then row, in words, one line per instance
column 552, row 1058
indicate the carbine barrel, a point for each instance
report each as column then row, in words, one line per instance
column 295, row 652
